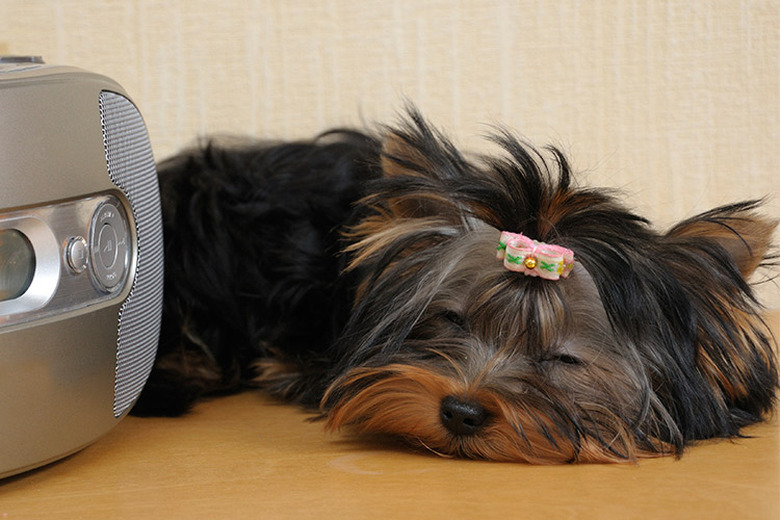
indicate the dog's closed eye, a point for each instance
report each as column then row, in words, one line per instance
column 566, row 359
column 454, row 319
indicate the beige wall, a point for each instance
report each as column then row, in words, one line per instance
column 675, row 102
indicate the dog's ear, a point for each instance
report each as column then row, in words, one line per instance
column 742, row 233
column 399, row 157
column 417, row 168
column 712, row 255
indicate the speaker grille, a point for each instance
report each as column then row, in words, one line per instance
column 131, row 167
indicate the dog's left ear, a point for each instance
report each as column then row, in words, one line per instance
column 738, row 229
column 712, row 255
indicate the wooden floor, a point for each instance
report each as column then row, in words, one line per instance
column 247, row 456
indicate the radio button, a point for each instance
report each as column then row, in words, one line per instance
column 109, row 246
column 76, row 254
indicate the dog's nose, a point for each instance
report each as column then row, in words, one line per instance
column 462, row 417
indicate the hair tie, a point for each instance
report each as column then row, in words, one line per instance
column 532, row 258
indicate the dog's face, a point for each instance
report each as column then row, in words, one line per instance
column 497, row 366
column 650, row 342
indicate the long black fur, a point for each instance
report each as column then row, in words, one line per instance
column 252, row 263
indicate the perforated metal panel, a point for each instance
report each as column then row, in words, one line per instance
column 131, row 167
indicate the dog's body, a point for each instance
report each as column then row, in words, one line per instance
column 359, row 273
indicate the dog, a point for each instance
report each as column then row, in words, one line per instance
column 476, row 306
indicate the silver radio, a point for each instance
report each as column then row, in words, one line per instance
column 80, row 259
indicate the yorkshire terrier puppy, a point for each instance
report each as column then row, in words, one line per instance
column 482, row 307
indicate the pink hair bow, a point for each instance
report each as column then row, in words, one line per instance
column 532, row 258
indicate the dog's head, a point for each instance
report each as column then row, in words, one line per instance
column 650, row 341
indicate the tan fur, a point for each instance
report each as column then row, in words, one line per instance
column 404, row 400
column 746, row 238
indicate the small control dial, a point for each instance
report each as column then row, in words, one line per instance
column 109, row 251
column 76, row 254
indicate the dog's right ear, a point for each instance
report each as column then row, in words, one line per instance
column 400, row 157
column 419, row 165
column 416, row 148
column 414, row 204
